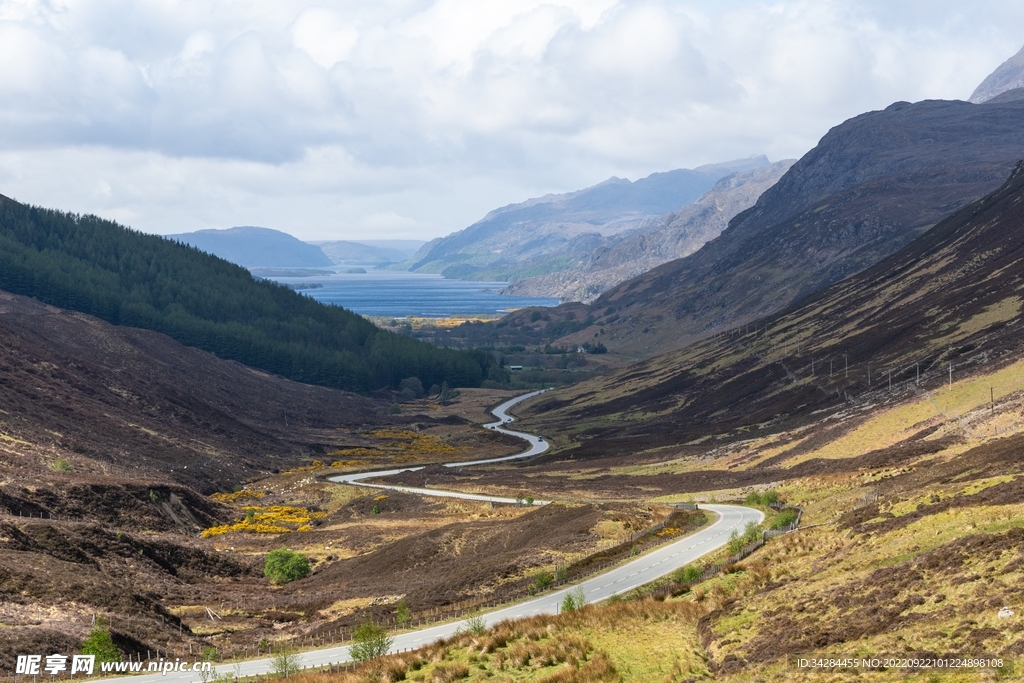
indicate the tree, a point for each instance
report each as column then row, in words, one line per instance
column 284, row 566
column 285, row 662
column 574, row 600
column 411, row 388
column 735, row 542
column 447, row 393
column 100, row 644
column 370, row 642
column 403, row 615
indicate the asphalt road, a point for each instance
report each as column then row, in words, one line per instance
column 621, row 579
column 536, row 445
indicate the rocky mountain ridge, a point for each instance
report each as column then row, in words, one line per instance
column 1008, row 76
column 671, row 236
column 556, row 232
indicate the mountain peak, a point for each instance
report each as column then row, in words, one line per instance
column 1009, row 75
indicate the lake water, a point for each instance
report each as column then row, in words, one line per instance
column 398, row 294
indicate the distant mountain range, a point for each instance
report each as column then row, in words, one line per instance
column 252, row 247
column 871, row 185
column 556, row 233
column 265, row 248
column 369, row 252
column 671, row 236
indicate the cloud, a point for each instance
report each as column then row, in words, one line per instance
column 419, row 116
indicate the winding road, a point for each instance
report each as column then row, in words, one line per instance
column 638, row 572
column 537, row 445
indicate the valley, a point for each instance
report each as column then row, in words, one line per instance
column 779, row 417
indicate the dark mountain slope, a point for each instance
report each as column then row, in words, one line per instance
column 125, row 402
column 868, row 188
column 97, row 267
column 252, row 247
column 954, row 295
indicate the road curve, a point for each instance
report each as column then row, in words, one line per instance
column 537, row 445
column 619, row 580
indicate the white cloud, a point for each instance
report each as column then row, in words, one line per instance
column 337, row 119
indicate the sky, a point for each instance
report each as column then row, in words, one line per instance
column 411, row 119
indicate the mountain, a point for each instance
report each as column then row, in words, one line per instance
column 1008, row 76
column 97, row 267
column 870, row 186
column 129, row 403
column 952, row 298
column 369, row 252
column 252, row 247
column 548, row 234
column 674, row 235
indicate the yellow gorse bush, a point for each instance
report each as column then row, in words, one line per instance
column 238, row 496
column 399, row 444
column 271, row 519
column 316, row 465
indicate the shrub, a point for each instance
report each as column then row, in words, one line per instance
column 285, row 663
column 752, row 532
column 395, row 409
column 447, row 393
column 370, row 642
column 284, row 566
column 543, row 580
column 411, row 388
column 770, row 497
column 783, row 519
column 753, row 498
column 61, row 465
column 735, row 542
column 688, row 574
column 100, row 644
column 403, row 615
column 476, row 625
column 574, row 600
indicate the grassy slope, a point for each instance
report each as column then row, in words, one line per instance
column 900, row 559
